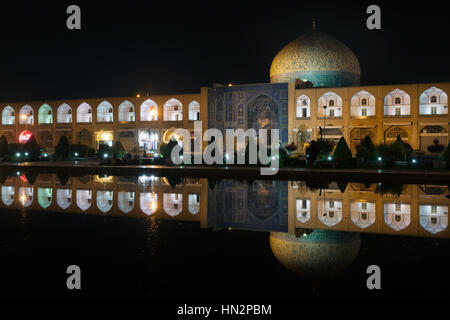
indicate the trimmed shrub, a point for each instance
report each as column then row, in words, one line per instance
column 118, row 150
column 80, row 149
column 62, row 149
column 342, row 152
column 13, row 150
column 3, row 146
column 312, row 151
column 104, row 149
column 398, row 150
column 32, row 148
column 366, row 150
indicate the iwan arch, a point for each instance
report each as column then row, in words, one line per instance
column 314, row 91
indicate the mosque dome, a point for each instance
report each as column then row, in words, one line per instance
column 318, row 58
column 320, row 254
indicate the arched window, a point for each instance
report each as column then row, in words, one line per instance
column 126, row 201
column 148, row 202
column 8, row 195
column 397, row 103
column 8, row 116
column 173, row 110
column 104, row 200
column 362, row 104
column 45, row 114
column 126, row 112
column 84, row 113
column 433, row 101
column 149, row 110
column 173, row 203
column 194, row 203
column 397, row 215
column 333, row 102
column 26, row 115
column 363, row 213
column 84, row 199
column 194, row 110
column 64, row 198
column 64, row 114
column 105, row 112
column 26, row 196
column 45, row 197
column 303, row 107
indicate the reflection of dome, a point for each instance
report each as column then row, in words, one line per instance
column 319, row 254
column 318, row 58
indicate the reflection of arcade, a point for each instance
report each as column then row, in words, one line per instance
column 141, row 196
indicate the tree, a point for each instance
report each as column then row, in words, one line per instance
column 312, row 151
column 32, row 148
column 3, row 146
column 398, row 150
column 118, row 150
column 342, row 152
column 446, row 155
column 63, row 148
column 166, row 150
column 366, row 150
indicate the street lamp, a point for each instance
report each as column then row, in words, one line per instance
column 324, row 113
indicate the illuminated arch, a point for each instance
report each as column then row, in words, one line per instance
column 397, row 103
column 433, row 101
column 194, row 110
column 194, row 203
column 362, row 104
column 397, row 216
column 173, row 110
column 148, row 202
column 149, row 110
column 64, row 198
column 333, row 103
column 105, row 200
column 26, row 196
column 329, row 211
column 64, row 114
column 433, row 217
column 173, row 203
column 8, row 193
column 84, row 199
column 303, row 107
column 303, row 210
column 45, row 196
column 45, row 114
column 363, row 213
column 105, row 112
column 26, row 115
column 8, row 116
column 126, row 112
column 125, row 201
column 84, row 113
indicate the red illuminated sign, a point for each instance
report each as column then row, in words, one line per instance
column 25, row 136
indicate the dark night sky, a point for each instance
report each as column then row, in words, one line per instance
column 125, row 48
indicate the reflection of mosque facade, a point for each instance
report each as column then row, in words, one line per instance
column 335, row 106
column 275, row 206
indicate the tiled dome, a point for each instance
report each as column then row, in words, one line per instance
column 318, row 58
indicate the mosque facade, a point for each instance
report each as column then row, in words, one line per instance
column 314, row 92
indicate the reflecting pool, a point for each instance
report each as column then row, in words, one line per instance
column 269, row 235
